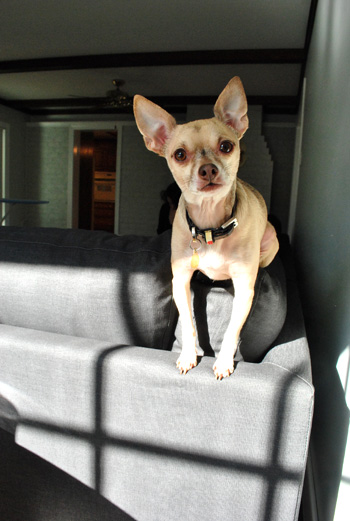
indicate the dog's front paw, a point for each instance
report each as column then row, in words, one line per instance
column 223, row 368
column 186, row 361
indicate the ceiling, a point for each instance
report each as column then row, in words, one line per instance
column 60, row 57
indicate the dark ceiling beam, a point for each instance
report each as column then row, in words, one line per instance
column 161, row 100
column 8, row 103
column 58, row 102
column 171, row 103
column 220, row 57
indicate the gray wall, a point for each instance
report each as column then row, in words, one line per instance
column 322, row 240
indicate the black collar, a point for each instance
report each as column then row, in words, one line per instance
column 212, row 234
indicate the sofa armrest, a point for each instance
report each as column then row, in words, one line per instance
column 158, row 444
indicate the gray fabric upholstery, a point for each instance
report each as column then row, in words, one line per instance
column 122, row 420
column 33, row 490
column 93, row 285
column 88, row 398
column 212, row 304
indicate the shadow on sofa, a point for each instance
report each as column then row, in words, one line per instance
column 32, row 489
column 43, row 477
column 94, row 402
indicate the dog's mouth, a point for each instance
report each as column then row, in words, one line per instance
column 211, row 187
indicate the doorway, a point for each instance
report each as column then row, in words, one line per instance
column 95, row 160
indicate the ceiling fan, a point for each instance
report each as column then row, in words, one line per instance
column 117, row 98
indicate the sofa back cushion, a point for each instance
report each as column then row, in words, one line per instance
column 212, row 307
column 88, row 284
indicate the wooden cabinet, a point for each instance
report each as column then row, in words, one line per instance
column 97, row 179
column 103, row 216
column 105, row 155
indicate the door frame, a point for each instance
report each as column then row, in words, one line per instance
column 296, row 165
column 4, row 165
column 73, row 171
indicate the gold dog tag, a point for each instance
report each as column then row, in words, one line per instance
column 194, row 260
column 195, row 245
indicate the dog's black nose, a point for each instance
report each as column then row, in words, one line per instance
column 208, row 172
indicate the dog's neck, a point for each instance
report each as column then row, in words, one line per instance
column 211, row 213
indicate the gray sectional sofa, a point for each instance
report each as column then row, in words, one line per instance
column 89, row 387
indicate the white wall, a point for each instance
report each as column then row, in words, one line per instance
column 47, row 175
column 280, row 139
column 322, row 243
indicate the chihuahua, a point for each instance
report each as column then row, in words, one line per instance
column 220, row 226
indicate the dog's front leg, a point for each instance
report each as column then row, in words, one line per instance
column 182, row 297
column 242, row 302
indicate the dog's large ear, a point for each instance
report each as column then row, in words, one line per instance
column 231, row 106
column 154, row 123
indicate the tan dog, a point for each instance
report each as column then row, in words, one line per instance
column 220, row 227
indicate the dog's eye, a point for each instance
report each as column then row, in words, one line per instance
column 180, row 154
column 226, row 147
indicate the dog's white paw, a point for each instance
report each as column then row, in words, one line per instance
column 223, row 367
column 186, row 361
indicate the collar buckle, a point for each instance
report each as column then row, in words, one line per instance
column 233, row 221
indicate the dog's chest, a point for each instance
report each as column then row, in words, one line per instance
column 216, row 263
